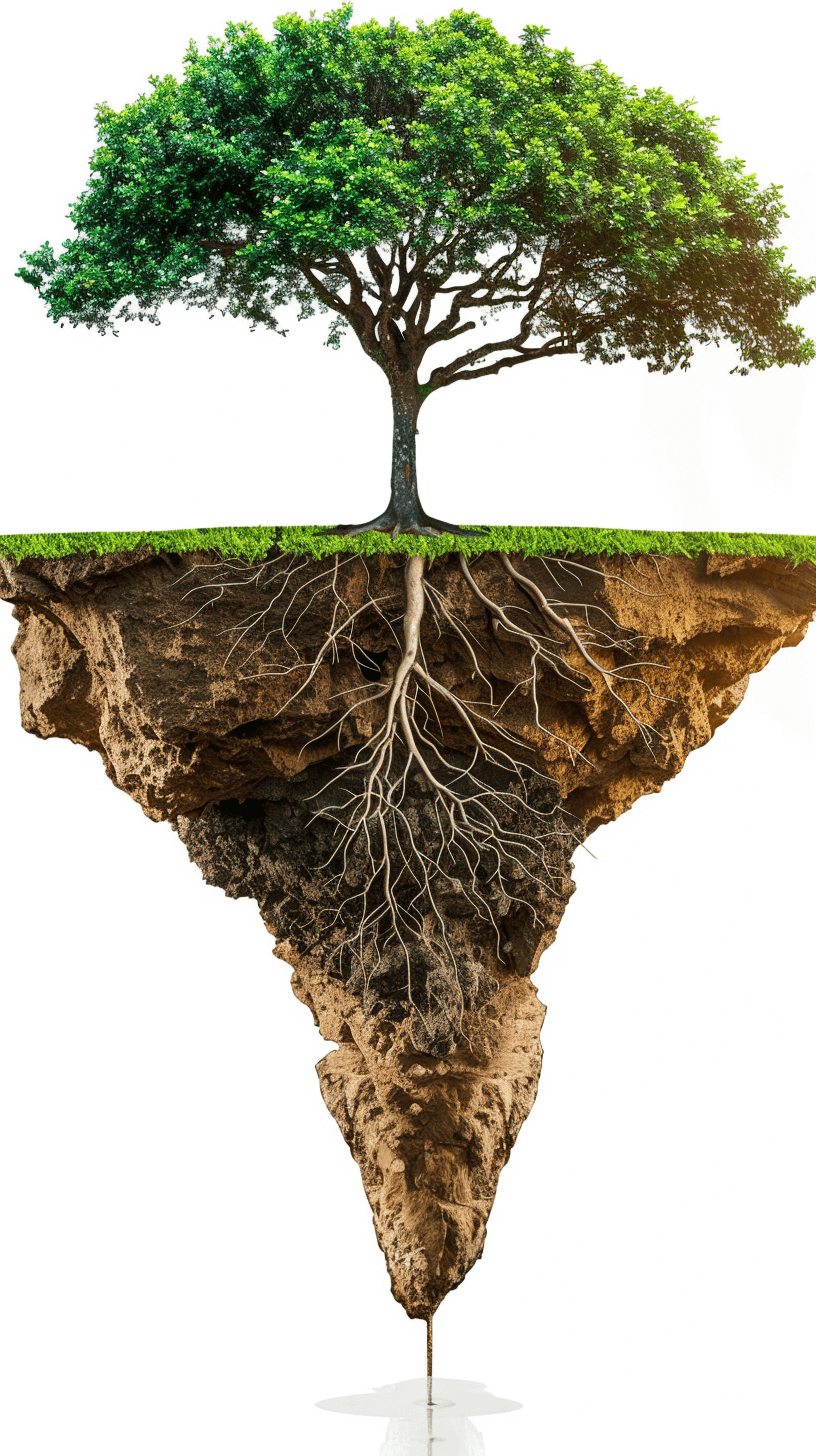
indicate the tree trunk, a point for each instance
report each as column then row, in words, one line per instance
column 404, row 513
column 404, row 507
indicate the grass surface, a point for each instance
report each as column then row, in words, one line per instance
column 252, row 543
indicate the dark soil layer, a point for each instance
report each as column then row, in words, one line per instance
column 275, row 847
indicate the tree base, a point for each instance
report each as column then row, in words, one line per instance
column 419, row 525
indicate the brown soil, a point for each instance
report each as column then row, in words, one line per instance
column 429, row 1096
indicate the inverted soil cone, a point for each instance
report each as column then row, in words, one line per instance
column 430, row 1134
column 398, row 767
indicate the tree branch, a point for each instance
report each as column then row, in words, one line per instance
column 550, row 350
column 326, row 295
column 447, row 373
column 357, row 311
column 491, row 277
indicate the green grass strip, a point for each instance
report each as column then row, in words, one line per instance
column 253, row 543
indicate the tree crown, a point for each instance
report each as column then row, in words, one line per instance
column 378, row 172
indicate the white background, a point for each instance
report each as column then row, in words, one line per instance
column 186, row 1254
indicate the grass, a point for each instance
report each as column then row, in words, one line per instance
column 252, row 543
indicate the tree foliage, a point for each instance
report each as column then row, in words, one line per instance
column 384, row 174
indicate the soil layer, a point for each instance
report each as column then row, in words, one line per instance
column 148, row 661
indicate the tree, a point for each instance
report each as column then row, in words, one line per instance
column 410, row 182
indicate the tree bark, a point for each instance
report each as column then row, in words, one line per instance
column 404, row 513
column 404, row 505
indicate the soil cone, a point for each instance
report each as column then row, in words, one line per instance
column 433, row 1075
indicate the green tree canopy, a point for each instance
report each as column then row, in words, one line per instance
column 386, row 175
